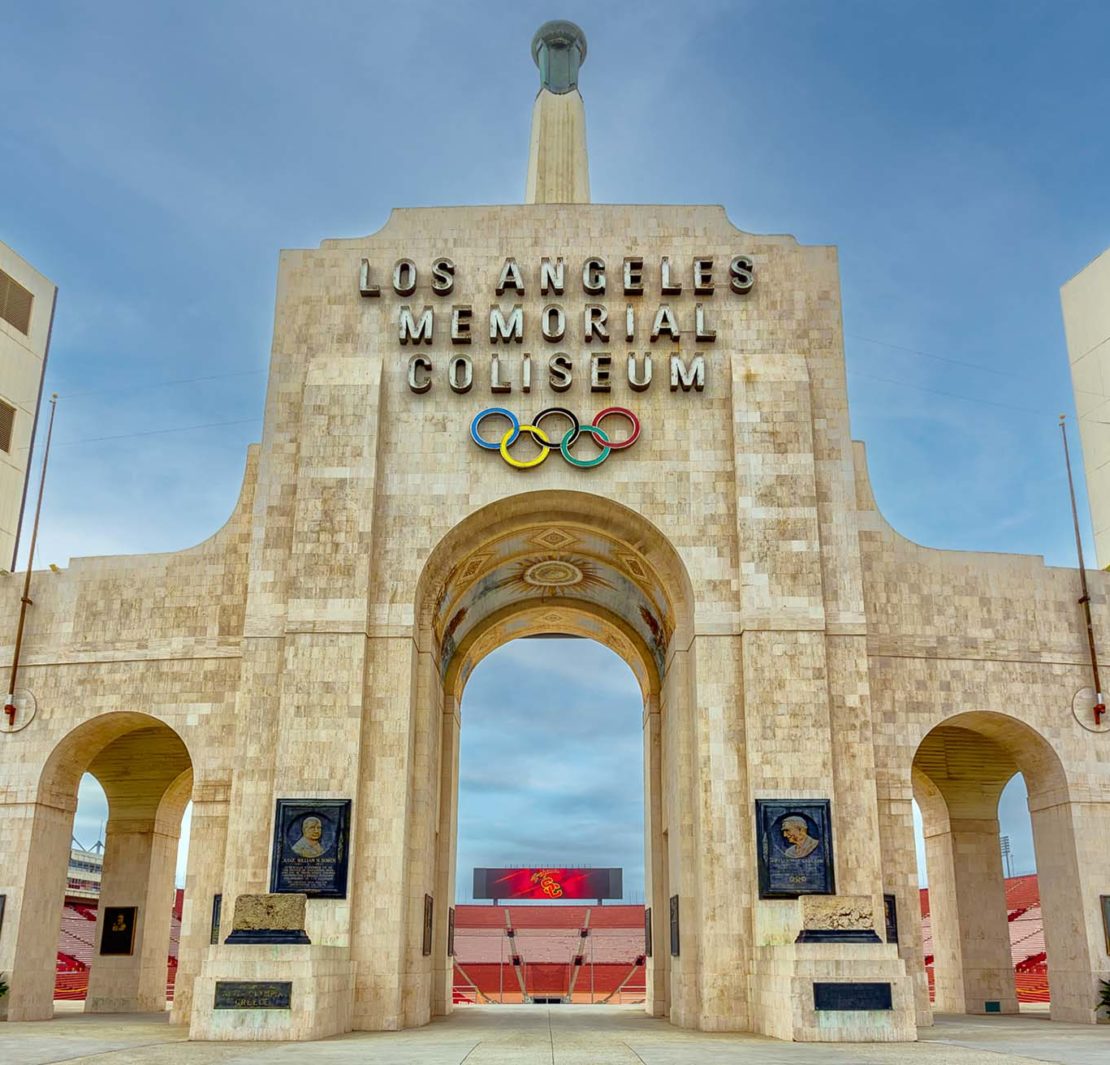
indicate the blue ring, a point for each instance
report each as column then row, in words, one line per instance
column 482, row 415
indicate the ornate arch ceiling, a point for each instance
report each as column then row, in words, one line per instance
column 553, row 572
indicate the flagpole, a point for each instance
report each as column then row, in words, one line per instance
column 25, row 601
column 1085, row 599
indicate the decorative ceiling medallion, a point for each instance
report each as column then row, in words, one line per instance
column 473, row 566
column 554, row 539
column 634, row 566
column 552, row 573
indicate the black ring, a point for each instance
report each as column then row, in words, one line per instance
column 566, row 414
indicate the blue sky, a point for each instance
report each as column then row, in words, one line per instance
column 154, row 158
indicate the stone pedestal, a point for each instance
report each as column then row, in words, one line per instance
column 320, row 1000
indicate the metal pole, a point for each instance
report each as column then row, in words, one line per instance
column 25, row 601
column 1085, row 599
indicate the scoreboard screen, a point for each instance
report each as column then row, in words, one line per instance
column 548, row 884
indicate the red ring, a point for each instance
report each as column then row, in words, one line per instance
column 629, row 415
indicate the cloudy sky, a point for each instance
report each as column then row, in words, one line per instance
column 155, row 157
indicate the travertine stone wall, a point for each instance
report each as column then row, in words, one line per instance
column 803, row 649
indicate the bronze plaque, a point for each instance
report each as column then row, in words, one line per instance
column 311, row 847
column 253, row 994
column 795, row 857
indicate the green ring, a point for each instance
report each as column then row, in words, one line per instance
column 585, row 464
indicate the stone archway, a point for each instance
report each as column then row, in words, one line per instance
column 576, row 564
column 959, row 771
column 146, row 772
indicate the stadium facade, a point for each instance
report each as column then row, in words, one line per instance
column 697, row 504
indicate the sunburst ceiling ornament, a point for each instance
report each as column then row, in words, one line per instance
column 552, row 573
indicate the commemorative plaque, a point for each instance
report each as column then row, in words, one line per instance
column 794, row 838
column 117, row 934
column 311, row 847
column 253, row 995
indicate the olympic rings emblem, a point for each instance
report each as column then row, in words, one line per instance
column 548, row 444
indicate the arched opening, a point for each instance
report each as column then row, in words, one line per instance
column 115, row 919
column 570, row 564
column 977, row 956
column 550, row 785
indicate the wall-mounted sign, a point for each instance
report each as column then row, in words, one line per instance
column 548, row 883
column 253, row 995
column 794, row 838
column 311, row 847
column 604, row 441
column 117, row 933
column 635, row 320
column 426, row 943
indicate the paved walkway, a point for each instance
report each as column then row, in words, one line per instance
column 543, row 1035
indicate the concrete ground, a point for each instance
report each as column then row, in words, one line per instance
column 546, row 1035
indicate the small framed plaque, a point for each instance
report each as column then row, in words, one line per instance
column 117, row 933
column 1104, row 905
column 675, row 939
column 794, row 837
column 647, row 931
column 426, row 946
column 3, row 903
column 451, row 932
column 311, row 847
column 890, row 912
column 217, row 908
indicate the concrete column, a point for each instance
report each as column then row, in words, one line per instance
column 139, row 864
column 33, row 862
column 655, row 861
column 727, row 846
column 967, row 900
column 445, row 845
column 900, row 877
column 683, row 833
column 1073, row 869
column 204, row 879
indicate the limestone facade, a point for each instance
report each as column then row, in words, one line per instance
column 789, row 644
column 26, row 314
column 1086, row 304
column 798, row 648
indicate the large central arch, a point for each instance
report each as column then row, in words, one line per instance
column 554, row 562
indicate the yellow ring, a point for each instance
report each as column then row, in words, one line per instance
column 537, row 434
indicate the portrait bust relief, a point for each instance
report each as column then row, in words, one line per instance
column 311, row 847
column 796, row 832
column 794, row 847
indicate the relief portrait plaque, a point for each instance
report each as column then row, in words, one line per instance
column 311, row 847
column 117, row 934
column 794, row 841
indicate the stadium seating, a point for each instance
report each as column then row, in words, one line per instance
column 1027, row 946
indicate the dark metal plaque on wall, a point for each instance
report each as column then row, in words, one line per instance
column 794, row 840
column 845, row 996
column 451, row 932
column 890, row 913
column 647, row 931
column 117, row 933
column 253, row 995
column 426, row 945
column 217, row 907
column 311, row 847
column 675, row 939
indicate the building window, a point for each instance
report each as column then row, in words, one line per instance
column 15, row 303
column 7, row 422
